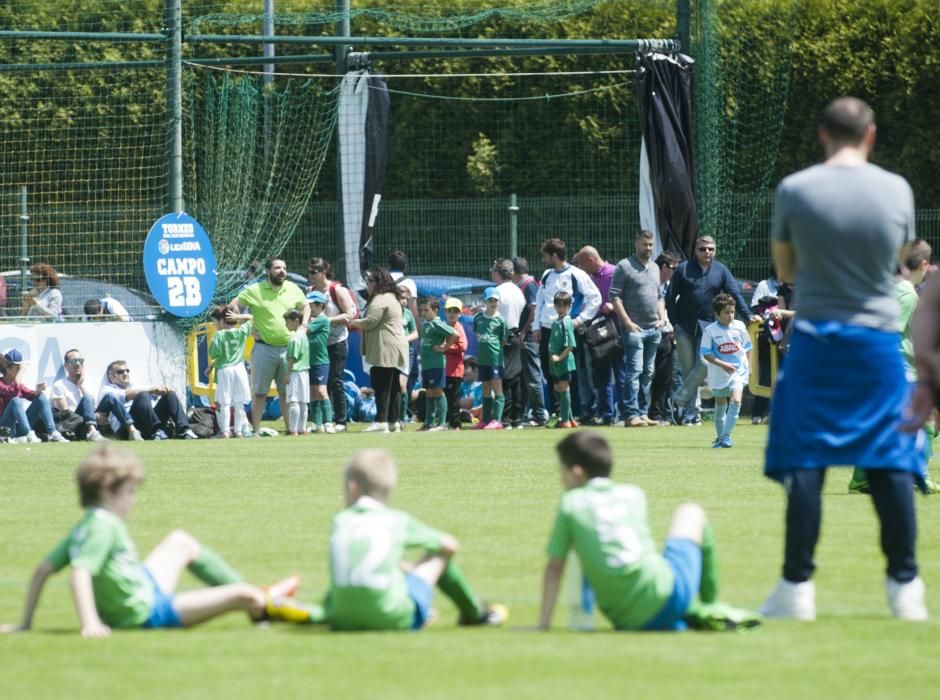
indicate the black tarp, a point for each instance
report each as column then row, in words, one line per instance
column 664, row 99
column 376, row 161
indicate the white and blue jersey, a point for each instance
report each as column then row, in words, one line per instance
column 729, row 344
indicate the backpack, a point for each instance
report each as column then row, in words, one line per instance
column 349, row 292
column 67, row 422
column 202, row 421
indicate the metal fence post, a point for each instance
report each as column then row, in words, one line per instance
column 24, row 239
column 513, row 226
column 174, row 95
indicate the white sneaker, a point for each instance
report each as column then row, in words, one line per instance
column 94, row 436
column 313, row 428
column 437, row 429
column 377, row 428
column 328, row 428
column 134, row 434
column 18, row 440
column 32, row 437
column 396, row 427
column 906, row 600
column 340, row 427
column 160, row 435
column 57, row 437
column 796, row 601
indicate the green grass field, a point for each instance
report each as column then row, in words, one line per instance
column 267, row 504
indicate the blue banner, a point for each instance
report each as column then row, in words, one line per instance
column 179, row 264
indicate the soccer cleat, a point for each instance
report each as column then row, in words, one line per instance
column 859, row 485
column 284, row 588
column 493, row 425
column 494, row 615
column 796, row 601
column 57, row 437
column 725, row 441
column 32, row 437
column 376, row 428
column 906, row 600
column 552, row 421
column 720, row 617
column 930, row 485
column 286, row 609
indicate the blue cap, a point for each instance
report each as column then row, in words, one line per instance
column 318, row 297
column 14, row 357
column 491, row 293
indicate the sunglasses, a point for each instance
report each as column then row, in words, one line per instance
column 705, row 249
column 77, row 361
column 122, row 371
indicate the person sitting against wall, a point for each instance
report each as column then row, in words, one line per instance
column 22, row 410
column 44, row 302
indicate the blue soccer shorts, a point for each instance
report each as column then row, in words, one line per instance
column 162, row 613
column 685, row 559
column 422, row 594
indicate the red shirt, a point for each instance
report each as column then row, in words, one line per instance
column 13, row 390
column 454, row 366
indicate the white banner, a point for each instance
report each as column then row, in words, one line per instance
column 154, row 351
column 353, row 109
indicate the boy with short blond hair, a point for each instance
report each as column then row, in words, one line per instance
column 436, row 338
column 726, row 349
column 368, row 589
column 111, row 588
column 561, row 347
column 227, row 356
column 635, row 586
column 298, row 372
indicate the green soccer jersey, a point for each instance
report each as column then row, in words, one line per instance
column 562, row 337
column 298, row 350
column 228, row 346
column 434, row 333
column 367, row 586
column 318, row 333
column 907, row 300
column 100, row 545
column 607, row 525
column 492, row 333
column 408, row 321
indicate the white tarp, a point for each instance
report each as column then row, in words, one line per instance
column 154, row 351
column 353, row 109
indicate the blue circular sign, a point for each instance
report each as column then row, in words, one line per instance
column 179, row 264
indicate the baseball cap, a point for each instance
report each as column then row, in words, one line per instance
column 453, row 303
column 491, row 293
column 14, row 357
column 318, row 297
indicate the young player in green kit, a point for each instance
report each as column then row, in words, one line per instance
column 227, row 358
column 111, row 588
column 318, row 333
column 606, row 524
column 561, row 346
column 368, row 588
column 436, row 337
column 492, row 332
column 298, row 369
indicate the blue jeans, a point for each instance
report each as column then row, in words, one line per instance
column 587, row 398
column 532, row 376
column 109, row 405
column 639, row 350
column 21, row 418
column 693, row 373
column 609, row 380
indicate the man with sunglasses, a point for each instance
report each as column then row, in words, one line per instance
column 689, row 303
column 70, row 395
column 145, row 412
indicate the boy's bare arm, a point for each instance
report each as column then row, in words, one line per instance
column 449, row 545
column 726, row 366
column 84, row 599
column 42, row 572
column 550, row 584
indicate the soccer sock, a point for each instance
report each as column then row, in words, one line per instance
column 327, row 408
column 486, row 415
column 240, row 419
column 721, row 409
column 732, row 418
column 564, row 405
column 441, row 410
column 453, row 584
column 404, row 405
column 302, row 420
column 708, row 586
column 212, row 569
column 500, row 402
column 223, row 415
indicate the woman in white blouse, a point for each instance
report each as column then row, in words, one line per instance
column 45, row 301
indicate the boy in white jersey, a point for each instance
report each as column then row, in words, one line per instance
column 726, row 348
column 371, row 586
column 111, row 588
column 635, row 586
column 227, row 357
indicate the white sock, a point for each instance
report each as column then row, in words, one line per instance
column 240, row 419
column 223, row 416
column 293, row 416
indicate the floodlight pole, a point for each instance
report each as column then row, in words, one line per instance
column 343, row 27
column 174, row 94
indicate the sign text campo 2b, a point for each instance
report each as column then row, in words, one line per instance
column 180, row 265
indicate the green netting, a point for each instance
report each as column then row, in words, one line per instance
column 253, row 155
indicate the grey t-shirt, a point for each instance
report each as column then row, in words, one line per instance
column 638, row 286
column 846, row 225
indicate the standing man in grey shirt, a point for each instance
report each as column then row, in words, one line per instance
column 839, row 229
column 638, row 303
